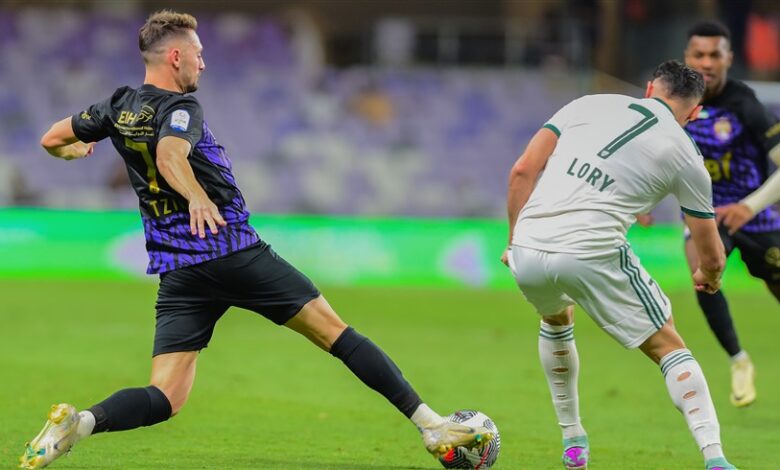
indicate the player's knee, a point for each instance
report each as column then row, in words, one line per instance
column 325, row 337
column 560, row 319
column 662, row 342
column 177, row 395
column 319, row 323
column 177, row 400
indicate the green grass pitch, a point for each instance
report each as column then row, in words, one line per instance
column 265, row 398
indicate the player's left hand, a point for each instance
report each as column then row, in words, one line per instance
column 733, row 216
column 706, row 283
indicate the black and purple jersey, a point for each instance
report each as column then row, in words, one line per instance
column 135, row 120
column 734, row 132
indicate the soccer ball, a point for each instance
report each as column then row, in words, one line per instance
column 476, row 457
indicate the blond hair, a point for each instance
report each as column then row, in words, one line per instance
column 161, row 25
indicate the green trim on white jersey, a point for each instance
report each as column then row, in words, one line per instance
column 552, row 128
column 698, row 214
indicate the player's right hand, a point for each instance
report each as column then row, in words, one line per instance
column 645, row 220
column 79, row 150
column 505, row 257
column 705, row 283
column 204, row 213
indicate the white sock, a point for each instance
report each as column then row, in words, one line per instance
column 742, row 355
column 688, row 389
column 86, row 424
column 424, row 417
column 561, row 365
column 712, row 451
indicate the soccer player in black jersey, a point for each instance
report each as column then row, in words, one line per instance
column 207, row 255
column 736, row 133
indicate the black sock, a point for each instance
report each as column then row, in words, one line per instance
column 716, row 310
column 131, row 408
column 376, row 370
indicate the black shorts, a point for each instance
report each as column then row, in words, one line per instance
column 760, row 252
column 190, row 300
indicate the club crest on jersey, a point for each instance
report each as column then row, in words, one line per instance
column 722, row 129
column 180, row 120
column 772, row 257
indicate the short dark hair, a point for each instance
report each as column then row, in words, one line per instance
column 709, row 29
column 162, row 24
column 680, row 80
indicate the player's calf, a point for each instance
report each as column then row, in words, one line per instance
column 688, row 390
column 131, row 408
column 375, row 369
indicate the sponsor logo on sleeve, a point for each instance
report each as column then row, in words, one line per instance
column 85, row 116
column 180, row 120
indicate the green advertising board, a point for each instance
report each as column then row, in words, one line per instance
column 38, row 243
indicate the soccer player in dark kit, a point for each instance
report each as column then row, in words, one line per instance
column 736, row 133
column 207, row 255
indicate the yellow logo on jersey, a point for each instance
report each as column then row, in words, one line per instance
column 85, row 115
column 772, row 257
column 722, row 128
column 773, row 131
column 130, row 118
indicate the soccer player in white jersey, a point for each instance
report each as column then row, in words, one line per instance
column 572, row 197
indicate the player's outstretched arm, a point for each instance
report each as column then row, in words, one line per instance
column 710, row 251
column 172, row 153
column 61, row 142
column 734, row 216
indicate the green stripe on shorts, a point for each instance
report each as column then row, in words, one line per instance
column 636, row 284
column 659, row 311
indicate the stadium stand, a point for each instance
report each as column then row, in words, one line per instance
column 414, row 141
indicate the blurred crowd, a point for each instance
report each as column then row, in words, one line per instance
column 416, row 117
column 358, row 140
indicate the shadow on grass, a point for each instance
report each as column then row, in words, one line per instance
column 251, row 464
column 338, row 466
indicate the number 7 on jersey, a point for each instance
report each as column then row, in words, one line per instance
column 644, row 124
column 151, row 170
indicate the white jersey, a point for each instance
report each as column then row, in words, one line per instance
column 616, row 157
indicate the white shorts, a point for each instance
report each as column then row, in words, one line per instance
column 612, row 287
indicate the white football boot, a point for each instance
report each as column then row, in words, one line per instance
column 445, row 436
column 743, row 388
column 55, row 439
